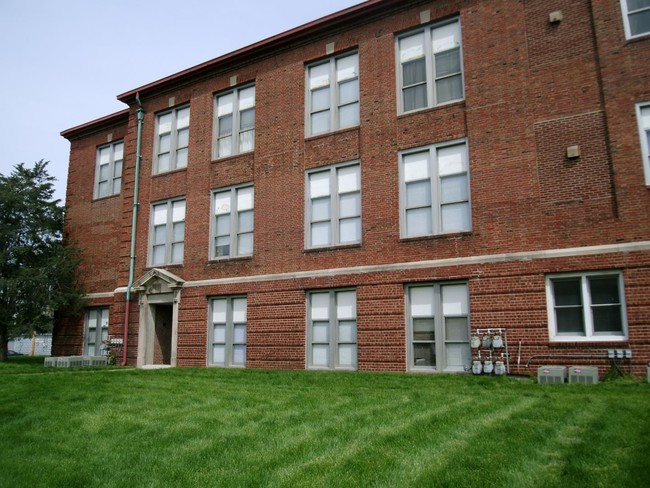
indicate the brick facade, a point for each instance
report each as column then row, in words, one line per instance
column 532, row 89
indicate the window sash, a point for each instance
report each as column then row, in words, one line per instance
column 227, row 332
column 96, row 332
column 167, row 234
column 636, row 18
column 233, row 222
column 172, row 140
column 332, row 329
column 108, row 170
column 234, row 122
column 333, row 205
column 643, row 119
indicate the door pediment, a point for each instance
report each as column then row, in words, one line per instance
column 158, row 281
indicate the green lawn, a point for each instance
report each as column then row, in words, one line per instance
column 214, row 427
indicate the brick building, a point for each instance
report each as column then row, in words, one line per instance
column 375, row 189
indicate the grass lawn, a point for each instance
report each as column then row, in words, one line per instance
column 236, row 428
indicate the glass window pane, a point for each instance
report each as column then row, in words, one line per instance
column 245, row 244
column 346, row 305
column 349, row 115
column 348, row 178
column 449, row 89
column 348, row 331
column 246, row 141
column 177, row 252
column 456, row 329
column 604, row 289
column 103, row 189
column 569, row 321
column 633, row 5
column 181, row 158
column 164, row 123
column 347, row 67
column 350, row 205
column 320, row 99
column 320, row 209
column 347, row 355
column 247, row 119
column 160, row 214
column 223, row 225
column 117, row 184
column 225, row 147
column 320, row 332
column 178, row 231
column 446, row 37
column 245, row 198
column 320, row 356
column 458, row 356
column 319, row 184
column 239, row 310
column 320, row 122
column 239, row 355
column 411, row 47
column 163, row 163
column 183, row 118
column 222, row 246
column 423, row 330
column 158, row 255
column 418, row 194
column 567, row 292
column 245, row 221
column 239, row 334
column 118, row 151
column 350, row 230
column 454, row 300
column 419, row 222
column 160, row 234
column 219, row 334
column 455, row 217
column 645, row 116
column 247, row 98
column 218, row 354
column 640, row 22
column 451, row 160
column 183, row 138
column 104, row 155
column 447, row 63
column 454, row 188
column 349, row 92
column 117, row 169
column 607, row 319
column 225, row 104
column 320, row 234
column 424, row 355
column 421, row 301
column 414, row 73
column 225, row 125
column 178, row 211
column 164, row 143
column 416, row 166
column 222, row 202
column 320, row 306
column 104, row 172
column 415, row 97
column 219, row 308
column 319, row 76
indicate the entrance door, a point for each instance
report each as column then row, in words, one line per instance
column 162, row 336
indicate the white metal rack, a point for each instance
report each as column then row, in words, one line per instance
column 491, row 352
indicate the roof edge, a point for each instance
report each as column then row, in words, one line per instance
column 96, row 125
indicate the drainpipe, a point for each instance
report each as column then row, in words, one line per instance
column 134, row 223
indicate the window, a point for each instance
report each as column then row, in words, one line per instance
column 643, row 117
column 586, row 306
column 173, row 138
column 235, row 122
column 332, row 330
column 108, row 172
column 232, row 227
column 227, row 334
column 96, row 332
column 438, row 327
column 430, row 64
column 435, row 190
column 333, row 208
column 636, row 17
column 333, row 94
column 167, row 233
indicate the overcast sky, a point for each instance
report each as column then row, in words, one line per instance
column 63, row 62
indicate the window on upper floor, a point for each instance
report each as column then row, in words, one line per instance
column 167, row 241
column 333, row 205
column 232, row 223
column 234, row 122
column 332, row 329
column 332, row 94
column 108, row 170
column 434, row 190
column 430, row 66
column 96, row 332
column 643, row 118
column 636, row 17
column 172, row 140
column 227, row 332
column 586, row 307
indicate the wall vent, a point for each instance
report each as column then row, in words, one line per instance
column 587, row 375
column 551, row 375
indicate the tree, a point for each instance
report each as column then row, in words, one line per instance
column 37, row 275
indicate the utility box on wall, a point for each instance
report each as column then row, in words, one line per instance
column 551, row 375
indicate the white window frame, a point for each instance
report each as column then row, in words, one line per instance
column 438, row 314
column 335, row 103
column 337, row 343
column 430, row 74
column 235, row 134
column 335, row 195
column 169, row 229
column 643, row 120
column 231, row 341
column 589, row 335
column 233, row 209
column 115, row 164
column 95, row 337
column 626, row 20
column 178, row 143
column 435, row 189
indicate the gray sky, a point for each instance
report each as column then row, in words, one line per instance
column 63, row 62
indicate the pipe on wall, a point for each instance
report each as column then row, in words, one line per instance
column 566, row 356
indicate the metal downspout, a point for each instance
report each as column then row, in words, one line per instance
column 134, row 223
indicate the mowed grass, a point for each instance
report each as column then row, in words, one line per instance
column 214, row 427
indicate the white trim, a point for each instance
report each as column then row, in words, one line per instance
column 105, row 294
column 643, row 136
column 641, row 246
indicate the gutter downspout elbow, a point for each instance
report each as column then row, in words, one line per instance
column 134, row 224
